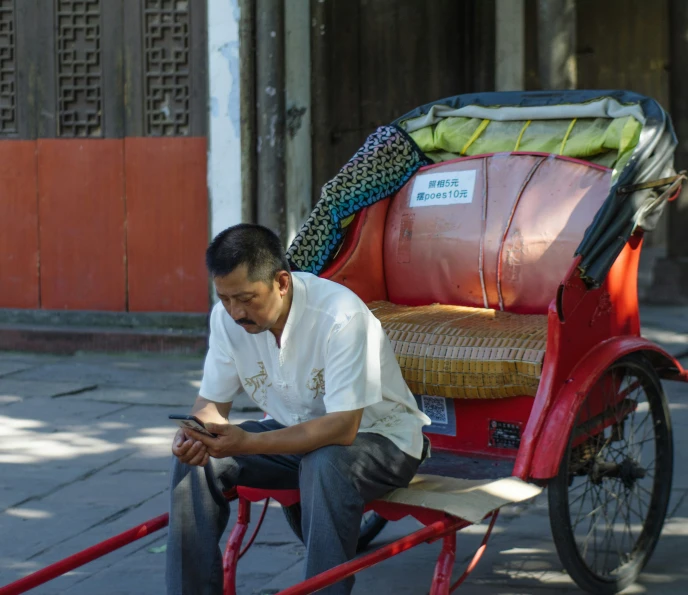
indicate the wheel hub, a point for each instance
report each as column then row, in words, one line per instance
column 628, row 471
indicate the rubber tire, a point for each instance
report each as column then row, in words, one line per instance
column 558, row 488
column 370, row 528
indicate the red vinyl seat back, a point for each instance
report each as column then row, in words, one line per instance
column 496, row 231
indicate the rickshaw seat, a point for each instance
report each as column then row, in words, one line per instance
column 461, row 352
column 451, row 283
column 283, row 497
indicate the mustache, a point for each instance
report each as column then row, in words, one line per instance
column 244, row 321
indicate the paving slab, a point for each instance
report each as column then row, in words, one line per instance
column 669, row 317
column 143, row 396
column 677, row 393
column 97, row 578
column 143, row 360
column 9, row 399
column 96, row 374
column 140, row 578
column 26, row 445
column 74, row 509
column 24, row 484
column 32, row 358
column 674, row 343
column 13, row 389
column 666, row 326
column 56, row 409
column 169, row 397
column 10, row 367
column 122, row 559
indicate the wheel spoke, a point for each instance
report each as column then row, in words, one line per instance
column 580, row 509
column 631, row 541
column 583, row 495
column 598, row 498
column 649, row 430
column 619, row 550
column 628, row 505
column 641, row 501
column 643, row 515
column 648, row 492
column 578, row 487
column 641, row 442
column 592, row 526
column 609, row 530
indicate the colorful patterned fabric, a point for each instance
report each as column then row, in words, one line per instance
column 378, row 170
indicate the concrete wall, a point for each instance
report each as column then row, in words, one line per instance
column 510, row 45
column 298, row 162
column 224, row 130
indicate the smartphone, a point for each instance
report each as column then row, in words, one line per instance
column 193, row 423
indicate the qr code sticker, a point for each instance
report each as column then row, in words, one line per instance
column 436, row 409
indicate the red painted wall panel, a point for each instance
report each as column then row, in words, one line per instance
column 82, row 229
column 167, row 224
column 18, row 225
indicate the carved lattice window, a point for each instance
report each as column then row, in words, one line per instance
column 79, row 68
column 8, row 69
column 166, row 67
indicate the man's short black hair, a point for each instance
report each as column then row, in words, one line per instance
column 253, row 245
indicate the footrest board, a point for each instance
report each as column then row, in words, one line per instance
column 468, row 499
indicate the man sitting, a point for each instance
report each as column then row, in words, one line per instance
column 341, row 425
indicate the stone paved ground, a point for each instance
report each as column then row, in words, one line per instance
column 84, row 452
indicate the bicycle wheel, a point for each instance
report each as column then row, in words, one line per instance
column 608, row 502
column 371, row 525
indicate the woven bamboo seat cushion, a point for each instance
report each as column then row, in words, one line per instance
column 465, row 353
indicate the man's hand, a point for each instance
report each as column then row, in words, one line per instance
column 338, row 428
column 231, row 440
column 189, row 450
column 186, row 446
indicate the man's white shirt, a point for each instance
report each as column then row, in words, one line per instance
column 334, row 356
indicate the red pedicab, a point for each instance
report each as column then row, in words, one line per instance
column 501, row 258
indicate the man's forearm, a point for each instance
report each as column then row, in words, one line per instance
column 334, row 429
column 211, row 411
column 338, row 428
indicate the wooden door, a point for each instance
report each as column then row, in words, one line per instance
column 374, row 60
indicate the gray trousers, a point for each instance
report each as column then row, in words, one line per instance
column 335, row 484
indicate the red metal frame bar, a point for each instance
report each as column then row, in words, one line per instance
column 434, row 531
column 231, row 557
column 255, row 531
column 478, row 554
column 441, row 579
column 88, row 555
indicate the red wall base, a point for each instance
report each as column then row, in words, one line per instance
column 104, row 224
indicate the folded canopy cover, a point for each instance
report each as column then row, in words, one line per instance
column 625, row 131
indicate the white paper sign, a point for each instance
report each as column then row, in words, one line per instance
column 446, row 188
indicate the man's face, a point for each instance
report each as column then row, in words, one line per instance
column 254, row 305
